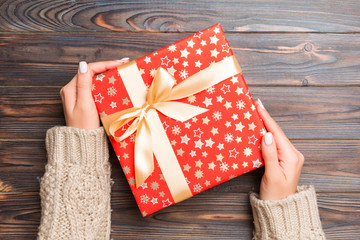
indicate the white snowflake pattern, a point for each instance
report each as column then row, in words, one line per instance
column 217, row 115
column 224, row 167
column 192, row 99
column 240, row 104
column 176, row 130
column 229, row 137
column 184, row 74
column 199, row 174
column 247, row 152
column 262, row 131
column 126, row 170
column 210, row 90
column 197, row 187
column 111, row 91
column 144, row 198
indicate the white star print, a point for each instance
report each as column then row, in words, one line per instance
column 257, row 163
column 239, row 127
column 198, row 51
column 214, row 131
column 214, row 53
column 219, row 99
column 239, row 91
column 252, row 139
column 100, row 77
column 147, row 60
column 192, row 153
column 172, row 48
column 185, row 63
column 247, row 115
column 198, row 133
column 252, row 126
column 225, row 48
column 234, row 116
column 216, row 30
column 190, row 43
column 220, row 146
column 198, row 64
column 175, row 60
column 206, row 120
column 212, row 166
column 185, row 139
column 227, row 105
column 165, row 61
column 233, row 153
column 203, row 43
column 209, row 143
column 225, row 88
column 113, row 105
column 98, row 98
column 207, row 101
column 171, row 70
column 198, row 144
column 214, row 39
column 198, row 163
column 219, row 157
column 184, row 53
column 234, row 80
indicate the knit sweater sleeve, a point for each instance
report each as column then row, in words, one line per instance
column 294, row 217
column 75, row 188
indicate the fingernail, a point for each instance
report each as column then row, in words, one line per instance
column 123, row 59
column 268, row 138
column 83, row 67
column 260, row 103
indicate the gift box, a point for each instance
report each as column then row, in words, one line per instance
column 181, row 120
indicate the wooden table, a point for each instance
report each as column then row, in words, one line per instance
column 302, row 58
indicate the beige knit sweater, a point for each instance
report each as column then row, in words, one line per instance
column 75, row 194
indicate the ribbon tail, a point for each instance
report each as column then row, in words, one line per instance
column 144, row 159
column 179, row 110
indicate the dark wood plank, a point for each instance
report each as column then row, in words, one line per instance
column 330, row 165
column 310, row 113
column 205, row 216
column 178, row 16
column 266, row 59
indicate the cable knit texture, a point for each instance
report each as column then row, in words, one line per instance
column 294, row 217
column 75, row 189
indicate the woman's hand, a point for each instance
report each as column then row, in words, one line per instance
column 78, row 104
column 283, row 162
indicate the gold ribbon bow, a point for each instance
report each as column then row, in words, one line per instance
column 151, row 137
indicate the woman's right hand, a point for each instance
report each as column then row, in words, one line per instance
column 283, row 162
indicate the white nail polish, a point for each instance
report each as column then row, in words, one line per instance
column 83, row 67
column 268, row 138
column 260, row 103
column 123, row 59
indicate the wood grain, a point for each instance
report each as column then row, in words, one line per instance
column 310, row 113
column 180, row 16
column 266, row 59
column 330, row 165
column 204, row 216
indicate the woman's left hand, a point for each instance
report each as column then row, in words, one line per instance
column 78, row 104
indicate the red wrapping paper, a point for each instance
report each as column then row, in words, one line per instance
column 212, row 147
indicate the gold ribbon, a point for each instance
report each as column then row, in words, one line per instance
column 151, row 137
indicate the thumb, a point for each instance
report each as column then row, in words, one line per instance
column 83, row 84
column 269, row 154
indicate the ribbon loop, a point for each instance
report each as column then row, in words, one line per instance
column 151, row 137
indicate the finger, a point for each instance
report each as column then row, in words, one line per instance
column 83, row 84
column 99, row 67
column 68, row 95
column 269, row 154
column 281, row 140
